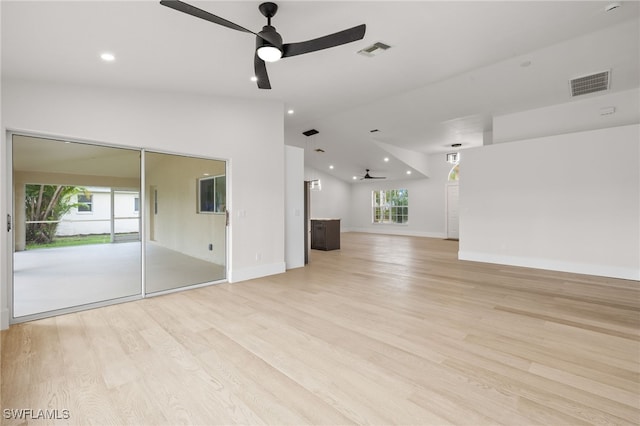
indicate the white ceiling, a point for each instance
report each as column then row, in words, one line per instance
column 452, row 66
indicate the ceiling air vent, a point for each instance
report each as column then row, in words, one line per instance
column 590, row 83
column 310, row 132
column 374, row 50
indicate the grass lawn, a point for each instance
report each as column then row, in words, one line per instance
column 75, row 240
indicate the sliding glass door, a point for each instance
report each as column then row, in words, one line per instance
column 186, row 220
column 85, row 232
column 72, row 243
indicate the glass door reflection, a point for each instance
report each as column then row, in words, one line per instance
column 68, row 201
column 186, row 221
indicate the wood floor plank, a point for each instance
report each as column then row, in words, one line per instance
column 386, row 330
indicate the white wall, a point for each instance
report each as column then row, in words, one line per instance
column 582, row 113
column 569, row 202
column 294, row 207
column 248, row 133
column 426, row 202
column 332, row 201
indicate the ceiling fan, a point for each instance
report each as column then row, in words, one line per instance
column 368, row 176
column 269, row 45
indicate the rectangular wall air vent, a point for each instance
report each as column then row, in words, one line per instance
column 590, row 83
column 374, row 49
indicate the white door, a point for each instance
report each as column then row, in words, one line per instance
column 452, row 211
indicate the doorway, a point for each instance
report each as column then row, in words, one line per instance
column 453, row 219
column 452, row 201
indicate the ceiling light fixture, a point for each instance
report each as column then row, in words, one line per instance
column 331, row 167
column 386, row 159
column 408, row 172
column 254, row 78
column 355, row 178
column 269, row 53
column 290, row 112
column 453, row 157
column 108, row 57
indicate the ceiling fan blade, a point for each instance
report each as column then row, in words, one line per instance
column 199, row 13
column 331, row 40
column 260, row 69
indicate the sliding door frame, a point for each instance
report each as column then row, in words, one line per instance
column 9, row 242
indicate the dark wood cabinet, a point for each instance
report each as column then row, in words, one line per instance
column 325, row 234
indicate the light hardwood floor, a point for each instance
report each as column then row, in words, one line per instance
column 388, row 330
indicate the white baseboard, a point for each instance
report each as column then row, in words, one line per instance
column 259, row 271
column 4, row 319
column 554, row 265
column 393, row 230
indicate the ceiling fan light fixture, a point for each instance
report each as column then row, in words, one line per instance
column 269, row 45
column 269, row 53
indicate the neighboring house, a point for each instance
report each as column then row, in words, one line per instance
column 94, row 214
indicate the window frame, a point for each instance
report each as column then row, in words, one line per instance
column 384, row 212
column 216, row 205
column 84, row 204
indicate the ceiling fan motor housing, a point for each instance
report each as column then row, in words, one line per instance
column 269, row 37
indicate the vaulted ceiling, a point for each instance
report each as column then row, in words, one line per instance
column 451, row 67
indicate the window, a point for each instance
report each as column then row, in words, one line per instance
column 390, row 206
column 454, row 174
column 85, row 203
column 136, row 204
column 212, row 194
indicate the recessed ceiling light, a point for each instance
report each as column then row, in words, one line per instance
column 331, row 167
column 386, row 159
column 290, row 111
column 108, row 57
column 254, row 78
column 408, row 172
column 355, row 177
